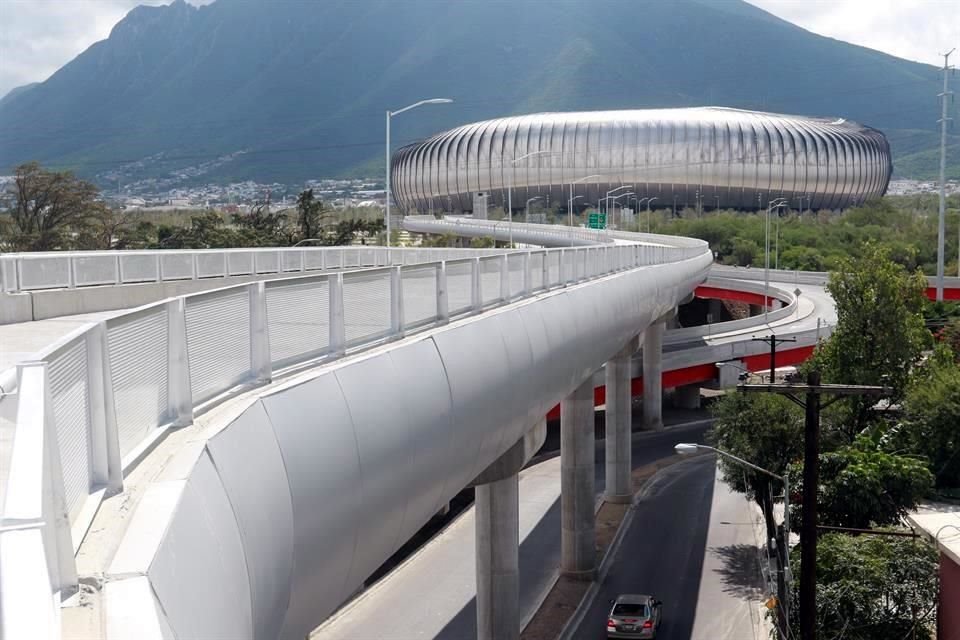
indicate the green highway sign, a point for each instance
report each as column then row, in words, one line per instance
column 597, row 221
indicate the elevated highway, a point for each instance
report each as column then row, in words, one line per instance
column 234, row 462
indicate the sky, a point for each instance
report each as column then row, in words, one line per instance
column 37, row 37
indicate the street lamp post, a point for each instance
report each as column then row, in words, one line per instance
column 570, row 208
column 526, row 208
column 773, row 204
column 614, row 200
column 606, row 199
column 648, row 212
column 513, row 164
column 686, row 448
column 390, row 114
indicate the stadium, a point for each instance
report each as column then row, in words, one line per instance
column 705, row 157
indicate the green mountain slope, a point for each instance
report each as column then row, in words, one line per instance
column 285, row 90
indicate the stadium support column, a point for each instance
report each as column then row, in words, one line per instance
column 577, row 537
column 497, row 527
column 652, row 376
column 619, row 425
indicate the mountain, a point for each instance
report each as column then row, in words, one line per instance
column 286, row 90
column 17, row 91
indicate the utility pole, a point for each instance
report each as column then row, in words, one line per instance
column 943, row 163
column 813, row 390
column 774, row 341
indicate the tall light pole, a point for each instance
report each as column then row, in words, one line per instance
column 526, row 208
column 614, row 200
column 390, row 114
column 941, row 228
column 570, row 208
column 607, row 197
column 648, row 212
column 777, row 203
column 686, row 448
column 513, row 164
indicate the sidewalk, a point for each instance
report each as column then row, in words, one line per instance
column 732, row 590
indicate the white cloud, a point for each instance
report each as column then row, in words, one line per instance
column 918, row 30
column 37, row 37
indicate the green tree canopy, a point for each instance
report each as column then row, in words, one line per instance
column 930, row 426
column 48, row 206
column 879, row 335
column 871, row 587
column 863, row 487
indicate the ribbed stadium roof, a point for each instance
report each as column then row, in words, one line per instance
column 717, row 156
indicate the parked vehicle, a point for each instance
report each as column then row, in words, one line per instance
column 634, row 616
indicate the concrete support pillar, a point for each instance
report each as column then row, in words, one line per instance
column 619, row 425
column 497, row 527
column 577, row 518
column 497, row 511
column 687, row 397
column 652, row 377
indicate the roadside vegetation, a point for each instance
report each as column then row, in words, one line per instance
column 878, row 458
column 819, row 241
column 55, row 210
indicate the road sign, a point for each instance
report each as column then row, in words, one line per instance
column 597, row 221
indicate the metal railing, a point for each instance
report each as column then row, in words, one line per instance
column 77, row 269
column 96, row 401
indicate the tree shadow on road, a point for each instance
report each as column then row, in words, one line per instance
column 741, row 573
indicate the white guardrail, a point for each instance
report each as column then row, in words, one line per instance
column 91, row 405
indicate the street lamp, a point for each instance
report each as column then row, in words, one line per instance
column 648, row 212
column 570, row 208
column 687, row 448
column 607, row 197
column 773, row 204
column 614, row 200
column 526, row 208
column 513, row 164
column 390, row 114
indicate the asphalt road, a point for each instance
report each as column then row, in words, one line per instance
column 540, row 552
column 662, row 550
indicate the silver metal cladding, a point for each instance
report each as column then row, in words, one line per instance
column 703, row 157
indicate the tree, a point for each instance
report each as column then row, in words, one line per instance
column 862, row 486
column 879, row 334
column 929, row 426
column 764, row 429
column 261, row 227
column 48, row 207
column 872, row 587
column 310, row 215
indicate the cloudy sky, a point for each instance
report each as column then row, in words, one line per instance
column 39, row 36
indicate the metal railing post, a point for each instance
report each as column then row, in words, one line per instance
column 338, row 333
column 105, row 463
column 396, row 302
column 260, row 361
column 443, row 304
column 178, row 364
column 527, row 274
column 476, row 296
column 34, row 464
column 504, row 278
column 546, row 270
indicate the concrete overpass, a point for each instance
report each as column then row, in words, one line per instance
column 217, row 464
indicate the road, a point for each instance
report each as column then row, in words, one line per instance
column 432, row 594
column 662, row 551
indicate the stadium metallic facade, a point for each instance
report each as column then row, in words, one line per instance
column 706, row 156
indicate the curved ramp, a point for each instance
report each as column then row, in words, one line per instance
column 276, row 499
